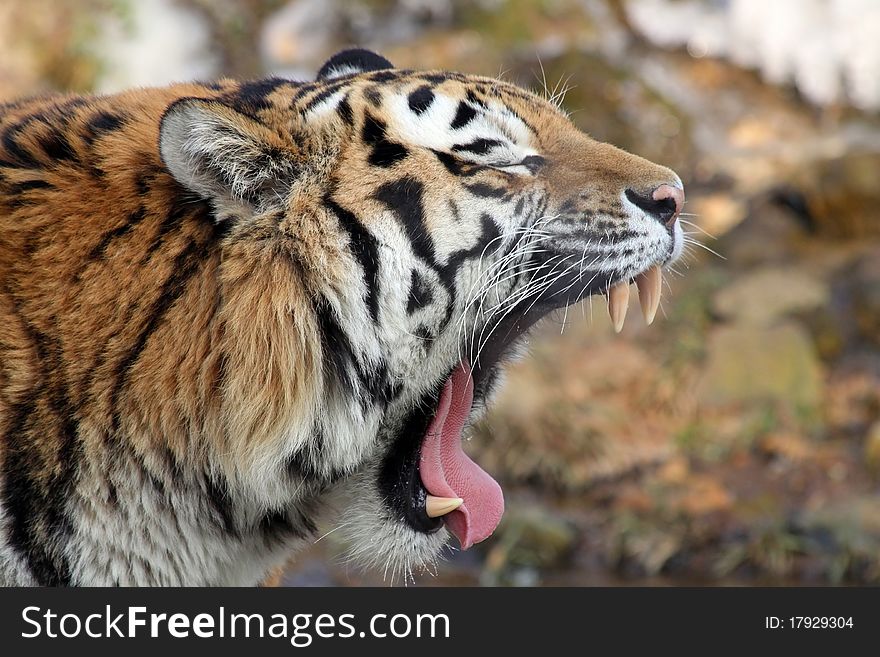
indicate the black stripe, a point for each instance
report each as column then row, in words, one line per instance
column 453, row 210
column 100, row 124
column 65, row 109
column 420, row 99
column 424, row 334
column 57, row 147
column 182, row 206
column 27, row 185
column 30, row 510
column 339, row 358
column 304, row 520
column 533, row 162
column 473, row 98
column 329, row 89
column 452, row 164
column 36, row 489
column 463, row 115
column 404, row 197
column 344, row 110
column 486, row 191
column 144, row 179
column 489, row 231
column 22, row 157
column 54, row 142
column 568, row 207
column 253, row 96
column 100, row 249
column 384, row 152
column 384, row 76
column 340, row 362
column 373, row 96
column 302, row 463
column 217, row 493
column 477, row 146
column 379, row 388
column 420, row 294
column 365, row 248
column 399, row 478
column 525, row 122
column 457, row 166
column 186, row 265
column 440, row 78
column 303, row 90
column 276, row 527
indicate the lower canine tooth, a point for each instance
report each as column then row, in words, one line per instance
column 650, row 285
column 440, row 506
column 618, row 302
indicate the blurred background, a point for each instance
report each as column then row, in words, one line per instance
column 735, row 441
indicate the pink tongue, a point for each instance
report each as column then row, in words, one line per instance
column 448, row 472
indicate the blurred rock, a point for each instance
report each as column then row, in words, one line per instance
column 235, row 27
column 702, row 495
column 866, row 293
column 299, row 36
column 48, row 46
column 750, row 364
column 827, row 48
column 302, row 34
column 531, row 536
column 128, row 46
column 872, row 448
column 764, row 296
column 853, row 394
column 847, row 534
column 643, row 546
column 716, row 213
column 675, row 471
column 309, row 572
column 787, row 445
column 633, row 499
column 842, row 194
column 567, row 417
column 768, row 235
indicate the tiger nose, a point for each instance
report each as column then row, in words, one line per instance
column 664, row 203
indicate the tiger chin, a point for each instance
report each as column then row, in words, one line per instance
column 232, row 311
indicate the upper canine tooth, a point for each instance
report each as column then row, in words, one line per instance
column 440, row 506
column 618, row 302
column 650, row 285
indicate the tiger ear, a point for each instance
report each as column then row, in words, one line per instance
column 223, row 155
column 354, row 60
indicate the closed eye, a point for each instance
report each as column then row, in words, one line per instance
column 477, row 146
column 532, row 163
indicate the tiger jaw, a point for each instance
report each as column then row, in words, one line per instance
column 437, row 484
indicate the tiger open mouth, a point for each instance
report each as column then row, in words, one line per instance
column 426, row 476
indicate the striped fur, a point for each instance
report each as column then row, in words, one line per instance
column 223, row 306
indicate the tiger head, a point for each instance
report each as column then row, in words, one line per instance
column 431, row 218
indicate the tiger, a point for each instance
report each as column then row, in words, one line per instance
column 232, row 312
